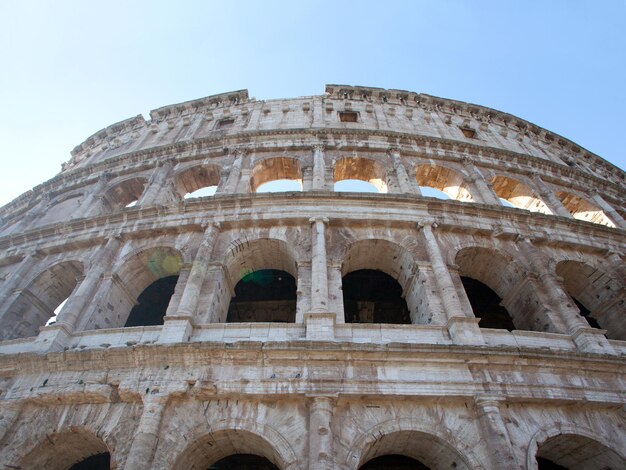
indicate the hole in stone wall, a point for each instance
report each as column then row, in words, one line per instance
column 586, row 313
column 442, row 182
column 469, row 133
column 371, row 296
column 394, row 462
column 202, row 192
column 513, row 193
column 575, row 451
column 486, row 305
column 95, row 462
column 360, row 169
column 348, row 116
column 265, row 295
column 53, row 319
column 545, row 464
column 280, row 186
column 225, row 123
column 243, row 462
column 152, row 303
column 432, row 192
column 356, row 186
column 132, row 203
column 582, row 209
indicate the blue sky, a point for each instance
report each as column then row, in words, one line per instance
column 72, row 68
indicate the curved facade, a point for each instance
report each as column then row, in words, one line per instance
column 159, row 311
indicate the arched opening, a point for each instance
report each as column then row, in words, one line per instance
column 75, row 449
column 125, row 194
column 36, row 303
column 285, row 174
column 361, row 169
column 53, row 319
column 141, row 289
column 380, row 284
column 264, row 273
column 441, row 182
column 152, row 303
column 599, row 297
column 198, row 181
column 502, row 276
column 583, row 210
column 371, row 296
column 220, row 449
column 486, row 305
column 243, row 462
column 266, row 295
column 394, row 462
column 518, row 194
column 575, row 452
column 427, row 450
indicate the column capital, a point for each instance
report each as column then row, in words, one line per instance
column 208, row 225
column 427, row 222
column 489, row 403
column 318, row 147
column 321, row 219
column 393, row 150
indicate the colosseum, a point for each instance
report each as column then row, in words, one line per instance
column 365, row 279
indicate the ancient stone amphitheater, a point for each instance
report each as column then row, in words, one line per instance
column 364, row 279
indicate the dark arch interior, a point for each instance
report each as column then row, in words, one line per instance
column 585, row 312
column 371, row 296
column 394, row 462
column 486, row 305
column 266, row 295
column 545, row 464
column 95, row 462
column 243, row 462
column 152, row 303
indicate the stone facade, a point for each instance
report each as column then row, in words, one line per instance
column 317, row 392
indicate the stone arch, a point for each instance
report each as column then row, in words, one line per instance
column 415, row 439
column 582, row 209
column 36, row 301
column 601, row 294
column 499, row 271
column 61, row 450
column 275, row 168
column 363, row 169
column 518, row 194
column 392, row 259
column 136, row 272
column 191, row 179
column 582, row 444
column 236, row 437
column 247, row 257
column 121, row 193
column 444, row 179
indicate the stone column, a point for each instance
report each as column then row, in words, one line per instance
column 177, row 327
column 320, row 433
column 485, row 194
column 235, row 172
column 83, row 294
column 319, row 322
column 494, row 433
column 146, row 435
column 406, row 184
column 608, row 210
column 93, row 203
column 462, row 328
column 549, row 198
column 319, row 168
column 154, row 192
column 556, row 299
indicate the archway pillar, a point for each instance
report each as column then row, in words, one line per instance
column 17, row 280
column 554, row 297
column 321, row 455
column 145, row 438
column 483, row 191
column 462, row 328
column 179, row 319
column 608, row 209
column 549, row 198
column 319, row 321
column 234, row 174
column 91, row 203
column 9, row 413
column 154, row 192
column 494, row 433
column 406, row 184
column 319, row 168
